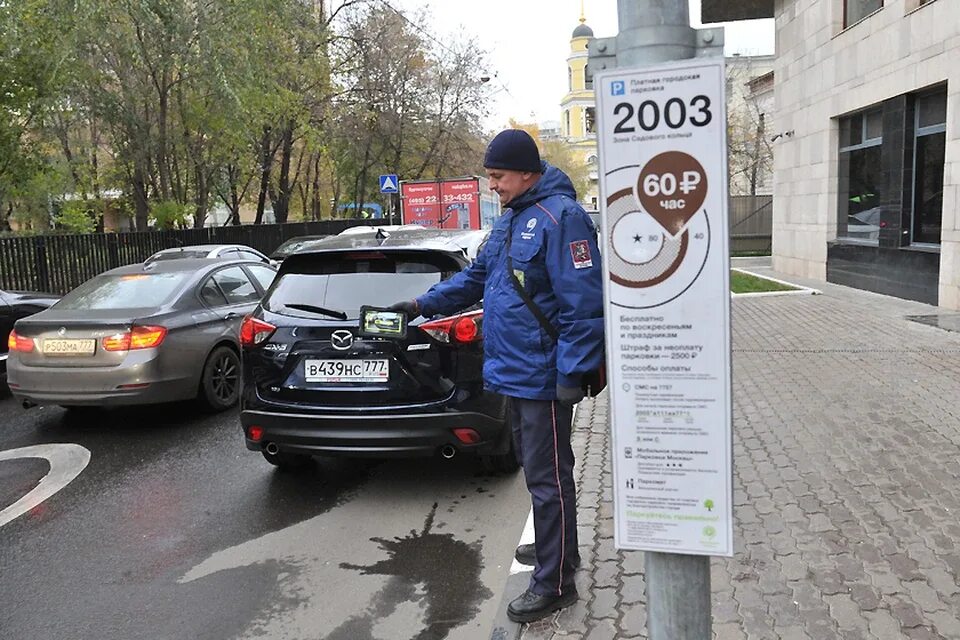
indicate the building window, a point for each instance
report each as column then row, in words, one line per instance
column 861, row 137
column 590, row 120
column 570, row 78
column 587, row 78
column 930, row 145
column 856, row 10
column 566, row 123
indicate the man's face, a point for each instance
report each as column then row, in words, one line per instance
column 509, row 184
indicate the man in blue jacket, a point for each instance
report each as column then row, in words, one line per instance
column 545, row 244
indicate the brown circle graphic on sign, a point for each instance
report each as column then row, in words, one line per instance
column 642, row 255
column 672, row 187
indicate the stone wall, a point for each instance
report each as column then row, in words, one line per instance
column 824, row 71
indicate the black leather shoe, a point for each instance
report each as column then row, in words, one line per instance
column 530, row 606
column 526, row 554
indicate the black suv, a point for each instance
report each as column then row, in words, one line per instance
column 313, row 385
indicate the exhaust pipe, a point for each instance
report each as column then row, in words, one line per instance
column 272, row 448
column 448, row 451
column 26, row 404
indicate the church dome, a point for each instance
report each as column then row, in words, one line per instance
column 583, row 31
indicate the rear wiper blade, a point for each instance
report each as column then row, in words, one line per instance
column 309, row 308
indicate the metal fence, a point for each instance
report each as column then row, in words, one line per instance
column 58, row 263
column 751, row 223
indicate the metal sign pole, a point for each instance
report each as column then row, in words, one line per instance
column 651, row 32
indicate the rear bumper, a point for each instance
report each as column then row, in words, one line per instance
column 375, row 435
column 139, row 382
column 154, row 394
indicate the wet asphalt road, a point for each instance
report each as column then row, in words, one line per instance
column 174, row 530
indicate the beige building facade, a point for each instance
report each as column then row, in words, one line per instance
column 867, row 149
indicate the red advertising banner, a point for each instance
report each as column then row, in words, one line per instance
column 446, row 204
column 460, row 204
column 421, row 203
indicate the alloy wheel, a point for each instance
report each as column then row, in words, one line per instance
column 224, row 378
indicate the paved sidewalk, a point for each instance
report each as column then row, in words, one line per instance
column 847, row 481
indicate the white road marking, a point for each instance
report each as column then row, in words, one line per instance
column 527, row 537
column 66, row 463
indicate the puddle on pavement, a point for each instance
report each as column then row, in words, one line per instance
column 945, row 321
column 439, row 572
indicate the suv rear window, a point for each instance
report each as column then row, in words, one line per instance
column 346, row 282
column 135, row 291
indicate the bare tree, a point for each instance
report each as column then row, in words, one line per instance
column 749, row 106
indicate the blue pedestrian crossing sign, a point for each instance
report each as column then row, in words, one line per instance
column 389, row 183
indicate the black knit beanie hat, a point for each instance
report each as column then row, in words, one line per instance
column 512, row 149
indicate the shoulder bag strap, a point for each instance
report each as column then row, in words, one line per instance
column 527, row 300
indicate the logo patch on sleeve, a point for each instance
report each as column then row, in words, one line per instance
column 580, row 251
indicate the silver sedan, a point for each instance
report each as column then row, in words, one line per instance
column 140, row 334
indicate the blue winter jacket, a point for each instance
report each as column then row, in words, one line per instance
column 555, row 256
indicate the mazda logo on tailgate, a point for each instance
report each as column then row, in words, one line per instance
column 341, row 339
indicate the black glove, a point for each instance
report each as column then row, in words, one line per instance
column 409, row 307
column 569, row 395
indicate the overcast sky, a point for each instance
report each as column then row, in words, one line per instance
column 529, row 40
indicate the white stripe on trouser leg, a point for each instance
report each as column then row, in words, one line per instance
column 529, row 533
column 563, row 517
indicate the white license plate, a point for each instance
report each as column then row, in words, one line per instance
column 62, row 347
column 366, row 370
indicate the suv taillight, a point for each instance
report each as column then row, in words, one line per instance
column 462, row 329
column 254, row 332
column 19, row 343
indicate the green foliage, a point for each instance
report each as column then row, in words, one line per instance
column 169, row 214
column 77, row 216
column 165, row 102
column 31, row 197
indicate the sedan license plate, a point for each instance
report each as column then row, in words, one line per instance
column 66, row 347
column 347, row 370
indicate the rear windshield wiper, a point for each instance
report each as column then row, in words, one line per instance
column 309, row 308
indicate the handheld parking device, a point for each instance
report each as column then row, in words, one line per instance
column 376, row 322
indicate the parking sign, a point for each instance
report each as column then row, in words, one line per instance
column 662, row 138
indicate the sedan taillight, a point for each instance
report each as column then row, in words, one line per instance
column 19, row 343
column 461, row 329
column 138, row 337
column 254, row 332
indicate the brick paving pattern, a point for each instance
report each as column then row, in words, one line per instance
column 847, row 482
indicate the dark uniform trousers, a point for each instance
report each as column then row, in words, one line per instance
column 541, row 432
